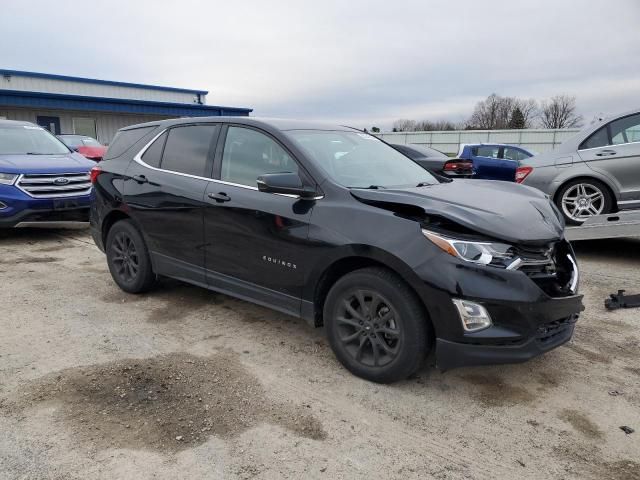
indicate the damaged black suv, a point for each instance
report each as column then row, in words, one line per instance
column 336, row 227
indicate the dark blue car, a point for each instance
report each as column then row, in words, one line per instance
column 494, row 161
column 41, row 181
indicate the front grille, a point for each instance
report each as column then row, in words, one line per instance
column 548, row 267
column 55, row 185
column 557, row 330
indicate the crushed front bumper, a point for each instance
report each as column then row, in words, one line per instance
column 547, row 325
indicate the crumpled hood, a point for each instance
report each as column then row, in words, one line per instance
column 501, row 210
column 62, row 163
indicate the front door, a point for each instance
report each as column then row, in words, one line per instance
column 256, row 243
column 165, row 189
column 614, row 151
column 50, row 123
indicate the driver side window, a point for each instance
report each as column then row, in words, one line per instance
column 249, row 154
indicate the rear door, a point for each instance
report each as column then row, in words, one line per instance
column 256, row 242
column 614, row 151
column 487, row 163
column 165, row 193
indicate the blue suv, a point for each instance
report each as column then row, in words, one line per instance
column 494, row 161
column 41, row 181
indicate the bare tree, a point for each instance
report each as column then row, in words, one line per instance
column 486, row 114
column 429, row 126
column 560, row 112
column 496, row 112
column 404, row 125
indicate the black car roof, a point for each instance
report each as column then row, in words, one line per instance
column 277, row 123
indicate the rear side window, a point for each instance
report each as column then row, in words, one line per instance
column 124, row 140
column 486, row 151
column 154, row 153
column 625, row 130
column 249, row 154
column 514, row 154
column 187, row 149
column 598, row 139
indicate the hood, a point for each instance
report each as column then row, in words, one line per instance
column 501, row 210
column 63, row 163
column 94, row 153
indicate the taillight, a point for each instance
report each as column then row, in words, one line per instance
column 95, row 171
column 458, row 166
column 522, row 173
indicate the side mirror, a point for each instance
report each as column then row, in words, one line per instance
column 287, row 183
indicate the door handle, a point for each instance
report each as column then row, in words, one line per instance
column 219, row 197
column 140, row 179
column 605, row 153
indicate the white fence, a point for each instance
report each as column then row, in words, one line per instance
column 537, row 140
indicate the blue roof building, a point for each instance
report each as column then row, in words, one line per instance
column 97, row 108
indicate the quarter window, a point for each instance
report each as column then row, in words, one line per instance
column 187, row 149
column 154, row 153
column 598, row 139
column 249, row 154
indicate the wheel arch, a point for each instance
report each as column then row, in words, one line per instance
column 356, row 260
column 114, row 216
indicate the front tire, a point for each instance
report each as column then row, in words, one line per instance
column 376, row 326
column 582, row 199
column 128, row 258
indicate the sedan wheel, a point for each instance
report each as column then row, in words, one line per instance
column 581, row 200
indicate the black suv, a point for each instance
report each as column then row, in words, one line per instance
column 335, row 226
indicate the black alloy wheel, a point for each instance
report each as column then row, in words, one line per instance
column 376, row 325
column 128, row 258
column 125, row 257
column 369, row 327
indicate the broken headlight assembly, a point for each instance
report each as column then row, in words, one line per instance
column 496, row 254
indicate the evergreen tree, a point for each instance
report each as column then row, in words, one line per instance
column 517, row 119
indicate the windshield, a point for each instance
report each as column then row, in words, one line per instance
column 28, row 139
column 359, row 160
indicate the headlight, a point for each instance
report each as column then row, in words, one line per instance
column 483, row 253
column 7, row 178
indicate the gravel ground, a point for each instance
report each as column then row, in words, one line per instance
column 185, row 383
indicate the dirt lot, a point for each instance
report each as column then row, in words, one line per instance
column 184, row 383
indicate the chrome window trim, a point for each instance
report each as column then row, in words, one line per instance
column 138, row 159
column 607, row 146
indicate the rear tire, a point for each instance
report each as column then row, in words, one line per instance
column 128, row 258
column 580, row 199
column 376, row 326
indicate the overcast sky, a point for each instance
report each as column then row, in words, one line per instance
column 358, row 62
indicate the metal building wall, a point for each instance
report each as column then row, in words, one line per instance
column 538, row 140
column 106, row 124
column 49, row 85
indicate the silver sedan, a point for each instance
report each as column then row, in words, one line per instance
column 593, row 173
